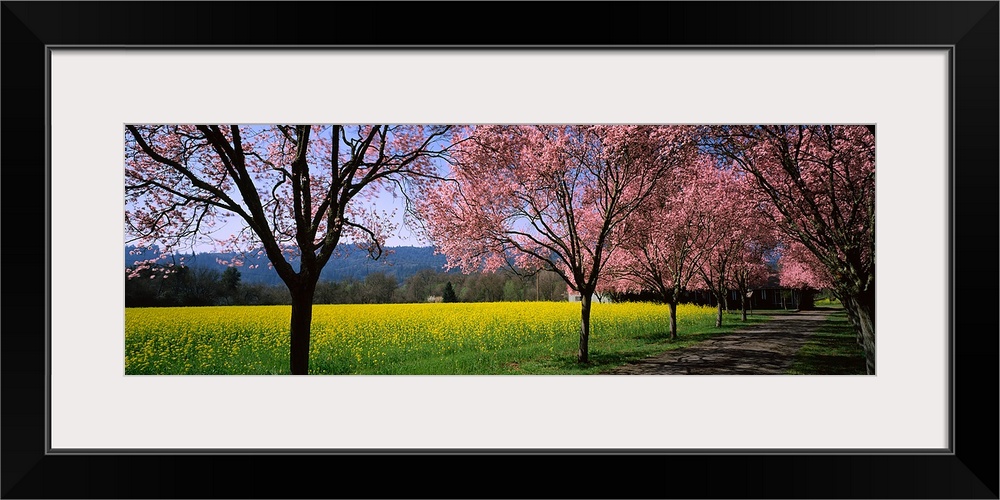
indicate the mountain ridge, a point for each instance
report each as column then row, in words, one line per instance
column 399, row 262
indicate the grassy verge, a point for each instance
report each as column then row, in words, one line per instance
column 833, row 350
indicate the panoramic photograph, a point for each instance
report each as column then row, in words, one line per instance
column 526, row 249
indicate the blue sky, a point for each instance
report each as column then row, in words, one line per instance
column 404, row 235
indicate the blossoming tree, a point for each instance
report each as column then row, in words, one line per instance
column 550, row 196
column 820, row 183
column 799, row 268
column 738, row 237
column 661, row 247
column 295, row 192
column 757, row 240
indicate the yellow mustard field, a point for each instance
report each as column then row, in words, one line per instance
column 474, row 338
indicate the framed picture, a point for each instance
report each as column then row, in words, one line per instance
column 925, row 73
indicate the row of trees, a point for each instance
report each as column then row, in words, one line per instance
column 603, row 207
column 499, row 286
column 186, row 286
column 153, row 287
column 656, row 207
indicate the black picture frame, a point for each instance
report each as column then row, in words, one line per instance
column 970, row 29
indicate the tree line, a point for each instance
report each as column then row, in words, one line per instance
column 195, row 286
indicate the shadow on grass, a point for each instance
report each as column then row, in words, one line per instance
column 600, row 361
column 663, row 339
column 833, row 350
column 685, row 337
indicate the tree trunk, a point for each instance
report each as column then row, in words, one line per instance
column 585, row 299
column 850, row 307
column 302, row 303
column 718, row 316
column 865, row 310
column 673, row 320
column 743, row 305
column 807, row 299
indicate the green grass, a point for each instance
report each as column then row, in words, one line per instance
column 833, row 350
column 828, row 303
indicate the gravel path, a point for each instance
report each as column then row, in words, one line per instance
column 763, row 349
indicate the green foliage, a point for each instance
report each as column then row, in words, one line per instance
column 186, row 286
column 449, row 294
column 512, row 292
column 231, row 279
column 378, row 288
column 829, row 302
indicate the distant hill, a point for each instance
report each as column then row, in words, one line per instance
column 399, row 262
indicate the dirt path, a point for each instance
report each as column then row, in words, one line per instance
column 764, row 349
